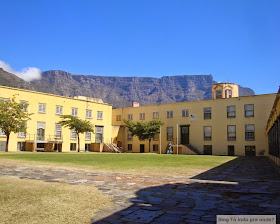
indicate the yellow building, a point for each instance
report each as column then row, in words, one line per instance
column 226, row 125
column 273, row 131
column 43, row 131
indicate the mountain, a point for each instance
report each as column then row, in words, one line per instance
column 9, row 79
column 121, row 91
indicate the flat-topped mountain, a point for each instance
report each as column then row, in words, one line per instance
column 121, row 91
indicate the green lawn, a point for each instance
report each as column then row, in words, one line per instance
column 126, row 163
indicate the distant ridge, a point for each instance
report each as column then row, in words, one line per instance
column 121, row 91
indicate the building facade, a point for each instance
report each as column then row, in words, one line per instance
column 43, row 131
column 226, row 125
column 273, row 131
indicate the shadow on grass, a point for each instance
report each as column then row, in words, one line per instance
column 201, row 198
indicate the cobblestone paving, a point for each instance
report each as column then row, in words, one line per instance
column 245, row 186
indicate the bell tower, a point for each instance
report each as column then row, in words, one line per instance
column 224, row 90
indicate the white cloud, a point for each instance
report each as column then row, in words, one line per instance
column 27, row 74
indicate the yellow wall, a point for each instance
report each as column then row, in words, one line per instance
column 50, row 118
column 219, row 122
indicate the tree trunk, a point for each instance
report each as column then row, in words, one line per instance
column 78, row 143
column 150, row 145
column 7, row 143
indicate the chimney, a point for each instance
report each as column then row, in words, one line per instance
column 135, row 104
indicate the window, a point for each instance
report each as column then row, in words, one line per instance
column 42, row 108
column 73, row 134
column 119, row 118
column 73, row 146
column 231, row 132
column 88, row 113
column 88, row 136
column 169, row 131
column 142, row 116
column 230, row 111
column 218, row 94
column 169, row 114
column 249, row 110
column 99, row 134
column 2, row 134
column 57, row 132
column 99, row 115
column 207, row 149
column 249, row 132
column 155, row 115
column 75, row 112
column 207, row 113
column 22, row 134
column 24, row 105
column 129, row 147
column 155, row 147
column 185, row 113
column 130, row 117
column 58, row 110
column 207, row 133
column 228, row 93
column 156, row 137
column 129, row 136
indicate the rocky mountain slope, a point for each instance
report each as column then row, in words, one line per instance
column 11, row 80
column 121, row 91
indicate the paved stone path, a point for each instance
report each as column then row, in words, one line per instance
column 249, row 186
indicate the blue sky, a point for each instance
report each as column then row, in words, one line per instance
column 152, row 38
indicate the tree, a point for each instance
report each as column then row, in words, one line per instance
column 78, row 125
column 13, row 118
column 144, row 130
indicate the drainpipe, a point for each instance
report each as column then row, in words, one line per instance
column 177, row 138
column 160, row 140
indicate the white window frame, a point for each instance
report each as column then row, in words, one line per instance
column 74, row 111
column 73, row 134
column 88, row 136
column 99, row 115
column 155, row 115
column 250, row 132
column 185, row 113
column 207, row 111
column 231, row 111
column 118, row 117
column 207, row 133
column 42, row 108
column 170, row 114
column 169, row 133
column 22, row 134
column 88, row 113
column 231, row 135
column 142, row 116
column 246, row 110
column 59, row 110
column 58, row 131
column 130, row 117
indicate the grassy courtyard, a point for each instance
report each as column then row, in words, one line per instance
column 144, row 164
column 32, row 201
